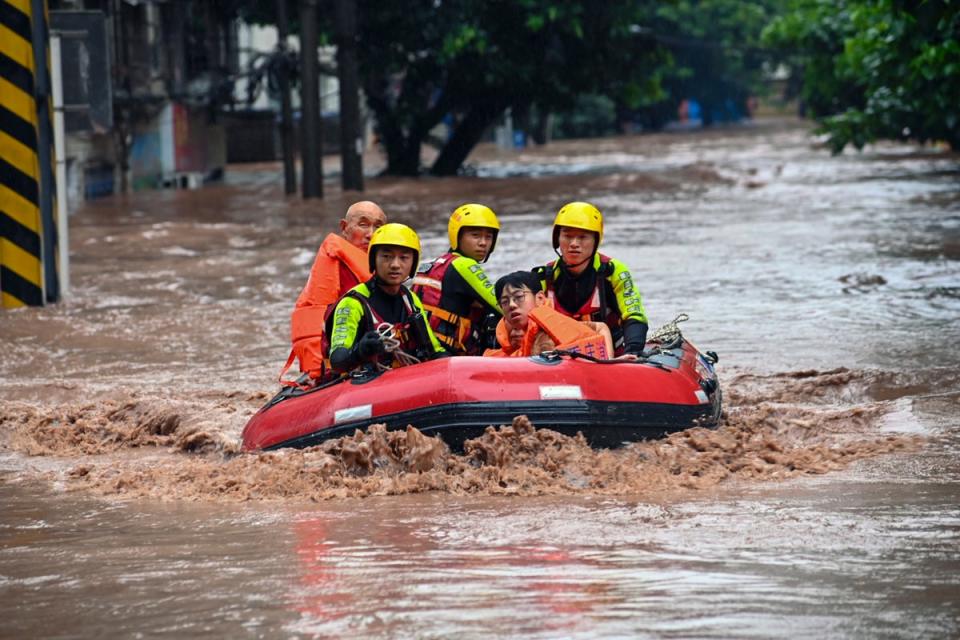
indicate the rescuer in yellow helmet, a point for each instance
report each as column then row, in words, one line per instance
column 585, row 284
column 455, row 290
column 360, row 323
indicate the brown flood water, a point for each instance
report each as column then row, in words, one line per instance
column 827, row 503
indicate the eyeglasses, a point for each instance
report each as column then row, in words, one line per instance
column 516, row 299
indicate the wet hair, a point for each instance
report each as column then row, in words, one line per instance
column 517, row 280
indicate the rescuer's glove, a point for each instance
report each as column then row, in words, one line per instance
column 370, row 345
column 634, row 337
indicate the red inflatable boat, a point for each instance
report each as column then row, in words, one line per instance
column 610, row 402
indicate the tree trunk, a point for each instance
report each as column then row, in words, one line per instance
column 408, row 157
column 542, row 131
column 706, row 113
column 465, row 138
column 400, row 160
column 403, row 149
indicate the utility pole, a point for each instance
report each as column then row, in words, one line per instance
column 45, row 180
column 286, row 111
column 312, row 147
column 351, row 138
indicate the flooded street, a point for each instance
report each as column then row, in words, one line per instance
column 827, row 503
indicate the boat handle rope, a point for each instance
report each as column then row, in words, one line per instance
column 392, row 345
column 558, row 353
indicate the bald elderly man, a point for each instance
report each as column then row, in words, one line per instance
column 340, row 265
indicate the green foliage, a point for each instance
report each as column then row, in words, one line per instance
column 423, row 60
column 875, row 69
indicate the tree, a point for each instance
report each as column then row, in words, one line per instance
column 467, row 61
column 422, row 60
column 875, row 69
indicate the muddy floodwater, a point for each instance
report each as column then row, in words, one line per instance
column 826, row 503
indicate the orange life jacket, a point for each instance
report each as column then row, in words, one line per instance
column 322, row 290
column 567, row 334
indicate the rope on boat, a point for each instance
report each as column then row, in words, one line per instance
column 556, row 353
column 392, row 346
column 669, row 335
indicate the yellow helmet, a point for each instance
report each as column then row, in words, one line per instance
column 579, row 215
column 472, row 215
column 394, row 234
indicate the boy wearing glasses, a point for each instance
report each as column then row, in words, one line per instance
column 530, row 325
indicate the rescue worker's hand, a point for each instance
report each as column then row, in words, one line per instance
column 634, row 337
column 370, row 345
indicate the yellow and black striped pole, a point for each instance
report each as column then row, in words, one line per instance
column 28, row 274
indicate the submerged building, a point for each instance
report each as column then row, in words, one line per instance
column 156, row 90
